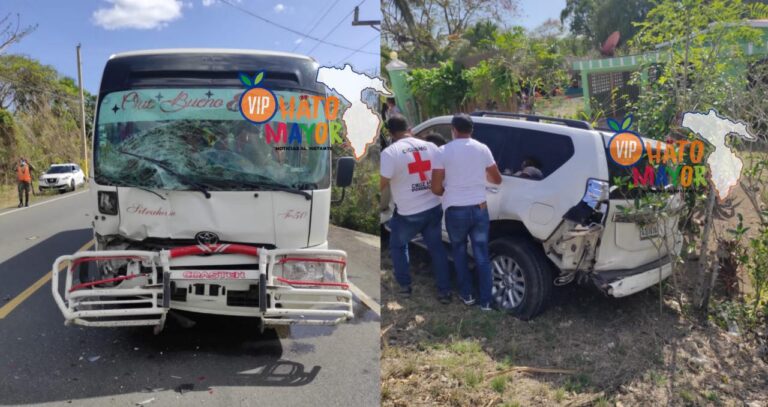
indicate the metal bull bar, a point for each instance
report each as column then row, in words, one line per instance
column 295, row 286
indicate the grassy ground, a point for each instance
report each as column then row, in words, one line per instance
column 619, row 352
column 559, row 106
column 615, row 352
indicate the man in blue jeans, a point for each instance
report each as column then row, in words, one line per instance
column 465, row 165
column 406, row 169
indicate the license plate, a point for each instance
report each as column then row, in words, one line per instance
column 649, row 231
column 213, row 275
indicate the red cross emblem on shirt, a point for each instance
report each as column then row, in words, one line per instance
column 419, row 166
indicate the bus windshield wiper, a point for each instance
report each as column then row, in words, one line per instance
column 168, row 169
column 263, row 186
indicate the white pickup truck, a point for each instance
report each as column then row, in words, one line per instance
column 193, row 210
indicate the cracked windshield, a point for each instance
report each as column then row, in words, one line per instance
column 175, row 139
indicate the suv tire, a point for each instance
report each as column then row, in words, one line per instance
column 72, row 186
column 521, row 272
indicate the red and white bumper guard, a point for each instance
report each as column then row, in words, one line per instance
column 300, row 286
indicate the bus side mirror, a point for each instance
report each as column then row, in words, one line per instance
column 345, row 168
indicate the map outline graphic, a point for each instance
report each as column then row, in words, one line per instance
column 722, row 153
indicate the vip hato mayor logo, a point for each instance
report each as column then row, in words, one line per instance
column 291, row 120
column 675, row 162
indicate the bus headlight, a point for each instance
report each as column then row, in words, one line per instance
column 309, row 269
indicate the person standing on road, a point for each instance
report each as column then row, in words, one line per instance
column 24, row 178
column 465, row 165
column 406, row 169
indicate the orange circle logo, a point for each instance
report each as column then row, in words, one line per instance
column 258, row 105
column 626, row 148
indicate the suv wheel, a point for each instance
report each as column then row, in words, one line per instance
column 522, row 277
column 72, row 185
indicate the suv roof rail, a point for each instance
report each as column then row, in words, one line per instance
column 578, row 124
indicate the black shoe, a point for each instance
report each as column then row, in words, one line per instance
column 405, row 292
column 26, row 204
column 20, row 205
column 444, row 299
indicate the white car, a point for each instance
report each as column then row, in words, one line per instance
column 567, row 225
column 62, row 177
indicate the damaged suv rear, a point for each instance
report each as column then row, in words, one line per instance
column 569, row 224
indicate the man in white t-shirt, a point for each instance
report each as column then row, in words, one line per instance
column 406, row 169
column 465, row 165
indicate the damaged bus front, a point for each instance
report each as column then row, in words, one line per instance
column 195, row 208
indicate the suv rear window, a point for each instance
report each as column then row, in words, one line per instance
column 510, row 146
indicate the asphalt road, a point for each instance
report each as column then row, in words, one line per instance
column 218, row 362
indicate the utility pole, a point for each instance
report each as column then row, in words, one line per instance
column 372, row 23
column 82, row 111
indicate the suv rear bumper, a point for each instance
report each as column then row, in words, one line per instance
column 621, row 283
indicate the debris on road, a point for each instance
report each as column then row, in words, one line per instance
column 175, row 377
column 145, row 402
column 93, row 358
column 184, row 388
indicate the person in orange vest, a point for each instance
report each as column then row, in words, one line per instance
column 24, row 176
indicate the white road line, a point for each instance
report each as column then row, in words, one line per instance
column 365, row 299
column 69, row 195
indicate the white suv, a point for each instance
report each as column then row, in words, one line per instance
column 62, row 177
column 566, row 225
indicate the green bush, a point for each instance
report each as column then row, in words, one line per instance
column 359, row 210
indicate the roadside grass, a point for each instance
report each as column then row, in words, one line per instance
column 9, row 196
column 559, row 106
column 619, row 350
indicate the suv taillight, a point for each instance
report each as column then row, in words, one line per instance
column 597, row 192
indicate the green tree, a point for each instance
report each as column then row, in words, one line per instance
column 424, row 32
column 702, row 67
column 439, row 90
column 44, row 109
column 595, row 20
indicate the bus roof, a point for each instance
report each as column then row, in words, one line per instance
column 202, row 68
column 207, row 51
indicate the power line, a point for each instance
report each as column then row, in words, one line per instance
column 34, row 89
column 328, row 10
column 252, row 14
column 336, row 27
column 358, row 50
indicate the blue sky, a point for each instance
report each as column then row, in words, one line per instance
column 535, row 12
column 105, row 27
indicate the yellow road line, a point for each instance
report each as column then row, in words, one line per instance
column 11, row 305
column 365, row 299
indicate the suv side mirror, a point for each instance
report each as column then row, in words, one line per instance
column 345, row 169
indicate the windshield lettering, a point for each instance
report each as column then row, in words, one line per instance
column 174, row 138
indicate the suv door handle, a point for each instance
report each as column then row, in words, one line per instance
column 493, row 190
